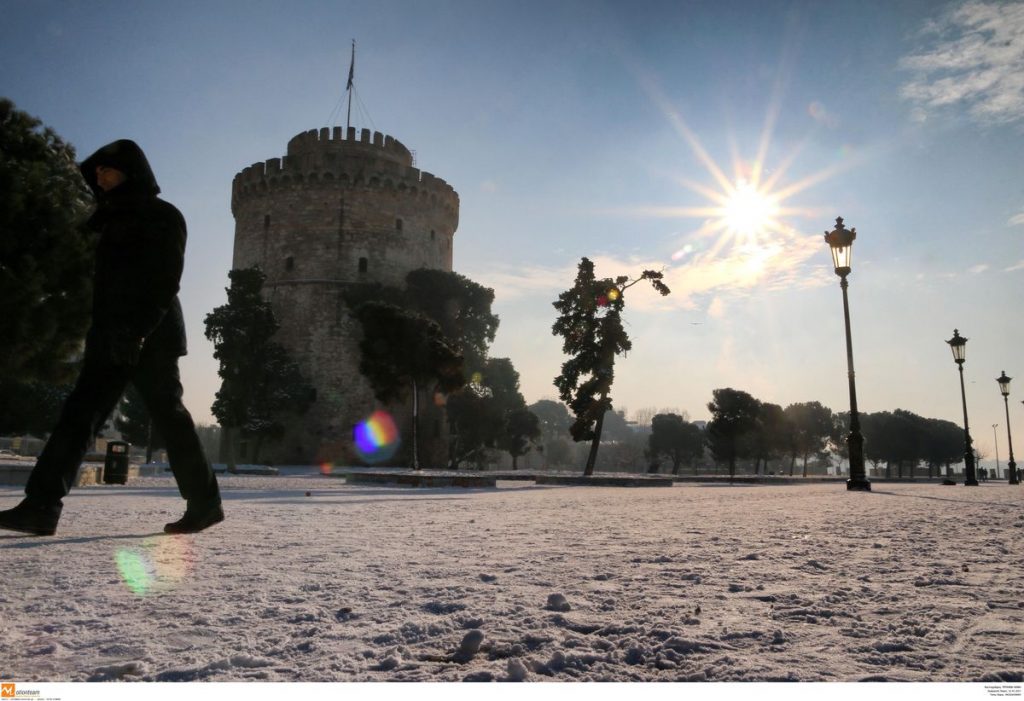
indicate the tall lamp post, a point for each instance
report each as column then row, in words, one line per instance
column 840, row 241
column 959, row 346
column 1004, row 387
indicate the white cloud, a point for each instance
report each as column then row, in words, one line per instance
column 1016, row 220
column 973, row 56
column 1018, row 266
column 980, row 268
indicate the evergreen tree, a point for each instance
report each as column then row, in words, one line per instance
column 461, row 307
column 733, row 415
column 810, row 426
column 680, row 440
column 403, row 353
column 479, row 414
column 46, row 252
column 522, row 428
column 31, row 407
column 590, row 324
column 260, row 384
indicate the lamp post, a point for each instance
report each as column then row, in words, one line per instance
column 840, row 241
column 1004, row 387
column 958, row 344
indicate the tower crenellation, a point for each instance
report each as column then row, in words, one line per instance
column 361, row 160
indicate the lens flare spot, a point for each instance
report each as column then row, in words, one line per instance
column 157, row 565
column 326, row 468
column 613, row 294
column 477, row 378
column 377, row 438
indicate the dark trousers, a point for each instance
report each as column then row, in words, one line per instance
column 91, row 402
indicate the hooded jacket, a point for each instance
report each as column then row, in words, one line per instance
column 139, row 257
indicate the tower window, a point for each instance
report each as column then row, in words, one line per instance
column 289, row 263
column 398, row 225
column 363, row 265
column 433, row 234
column 266, row 222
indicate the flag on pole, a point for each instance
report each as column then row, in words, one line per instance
column 352, row 67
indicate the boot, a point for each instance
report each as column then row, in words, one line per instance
column 197, row 517
column 31, row 517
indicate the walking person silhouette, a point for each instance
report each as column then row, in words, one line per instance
column 136, row 336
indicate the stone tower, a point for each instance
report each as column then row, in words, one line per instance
column 339, row 209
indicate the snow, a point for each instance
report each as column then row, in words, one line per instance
column 810, row 583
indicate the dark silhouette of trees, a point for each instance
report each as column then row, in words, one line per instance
column 404, row 352
column 733, row 414
column 460, row 306
column 36, row 409
column 590, row 324
column 944, row 446
column 522, row 428
column 810, row 427
column 46, row 252
column 487, row 413
column 768, row 438
column 676, row 438
column 46, row 256
column 260, row 384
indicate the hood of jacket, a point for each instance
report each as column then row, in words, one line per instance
column 127, row 157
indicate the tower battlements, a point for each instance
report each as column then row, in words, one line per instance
column 336, row 158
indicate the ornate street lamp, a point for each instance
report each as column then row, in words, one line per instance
column 958, row 344
column 1004, row 387
column 840, row 241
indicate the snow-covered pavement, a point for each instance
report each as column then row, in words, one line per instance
column 523, row 582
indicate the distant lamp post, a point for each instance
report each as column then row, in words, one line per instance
column 1004, row 387
column 958, row 344
column 840, row 241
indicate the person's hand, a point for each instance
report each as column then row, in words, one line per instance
column 124, row 349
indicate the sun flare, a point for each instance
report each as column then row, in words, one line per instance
column 748, row 211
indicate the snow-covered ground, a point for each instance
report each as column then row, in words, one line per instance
column 689, row 583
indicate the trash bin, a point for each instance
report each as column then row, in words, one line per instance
column 115, row 467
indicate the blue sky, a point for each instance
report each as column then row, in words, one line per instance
column 597, row 128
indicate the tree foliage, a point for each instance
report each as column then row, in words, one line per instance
column 810, row 426
column 31, row 407
column 403, row 352
column 521, row 429
column 461, row 307
column 733, row 414
column 769, row 437
column 590, row 324
column 673, row 436
column 260, row 384
column 46, row 252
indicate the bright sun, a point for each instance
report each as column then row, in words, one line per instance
column 749, row 212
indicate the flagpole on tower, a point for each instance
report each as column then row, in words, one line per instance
column 351, row 77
